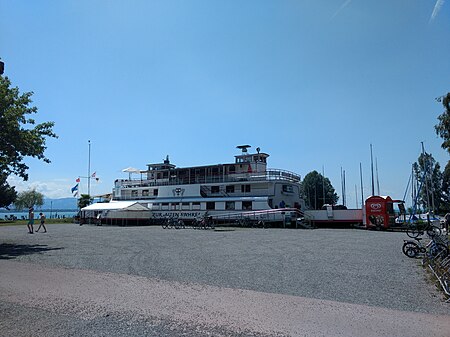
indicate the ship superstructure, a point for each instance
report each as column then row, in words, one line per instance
column 188, row 192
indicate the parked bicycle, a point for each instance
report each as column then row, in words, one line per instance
column 418, row 229
column 204, row 222
column 173, row 223
column 415, row 248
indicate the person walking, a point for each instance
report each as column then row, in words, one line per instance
column 30, row 220
column 42, row 218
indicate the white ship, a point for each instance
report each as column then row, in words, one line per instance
column 245, row 187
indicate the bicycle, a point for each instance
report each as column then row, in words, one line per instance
column 433, row 248
column 169, row 223
column 415, row 230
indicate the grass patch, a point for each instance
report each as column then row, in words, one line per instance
column 36, row 222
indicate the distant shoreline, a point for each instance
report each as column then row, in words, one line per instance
column 40, row 210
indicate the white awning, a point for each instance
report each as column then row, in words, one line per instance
column 116, row 206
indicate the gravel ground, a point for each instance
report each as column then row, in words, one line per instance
column 353, row 267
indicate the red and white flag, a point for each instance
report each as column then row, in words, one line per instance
column 93, row 174
column 78, row 180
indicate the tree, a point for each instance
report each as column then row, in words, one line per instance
column 7, row 193
column 85, row 200
column 20, row 136
column 443, row 127
column 443, row 130
column 445, row 204
column 313, row 186
column 428, row 174
column 27, row 199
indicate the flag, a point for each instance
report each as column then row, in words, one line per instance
column 78, row 180
column 93, row 174
column 75, row 188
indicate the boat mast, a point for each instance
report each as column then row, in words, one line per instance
column 362, row 188
column 371, row 168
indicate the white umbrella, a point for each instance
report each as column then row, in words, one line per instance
column 131, row 170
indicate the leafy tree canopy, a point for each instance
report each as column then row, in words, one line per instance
column 29, row 199
column 428, row 173
column 443, row 127
column 85, row 200
column 20, row 136
column 7, row 193
column 313, row 186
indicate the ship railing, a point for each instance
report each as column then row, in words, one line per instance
column 269, row 175
column 287, row 216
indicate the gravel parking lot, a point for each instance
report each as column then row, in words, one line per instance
column 354, row 267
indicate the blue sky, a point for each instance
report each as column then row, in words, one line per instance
column 313, row 83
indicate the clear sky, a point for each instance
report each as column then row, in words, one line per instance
column 311, row 82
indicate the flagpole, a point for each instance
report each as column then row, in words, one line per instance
column 89, row 169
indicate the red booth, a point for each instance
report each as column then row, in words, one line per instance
column 380, row 212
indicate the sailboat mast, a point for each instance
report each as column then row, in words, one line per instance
column 371, row 168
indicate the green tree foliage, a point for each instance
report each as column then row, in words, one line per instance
column 428, row 174
column 313, row 186
column 443, row 130
column 29, row 199
column 7, row 193
column 85, row 200
column 443, row 127
column 20, row 136
column 445, row 204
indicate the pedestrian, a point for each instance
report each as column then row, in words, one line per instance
column 30, row 220
column 42, row 218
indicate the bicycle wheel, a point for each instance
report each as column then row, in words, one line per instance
column 438, row 249
column 433, row 230
column 413, row 231
column 410, row 249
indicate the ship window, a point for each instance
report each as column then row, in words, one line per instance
column 174, row 206
column 154, row 206
column 210, row 205
column 185, row 206
column 155, row 192
column 271, row 203
column 215, row 189
column 145, row 193
column 195, row 205
column 245, row 188
column 229, row 205
column 232, row 169
column 165, row 205
column 134, row 193
column 247, row 205
column 230, row 189
column 288, row 189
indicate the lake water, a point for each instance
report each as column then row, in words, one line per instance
column 55, row 214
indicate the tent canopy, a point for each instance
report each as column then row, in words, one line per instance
column 116, row 206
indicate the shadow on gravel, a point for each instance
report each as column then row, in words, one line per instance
column 11, row 251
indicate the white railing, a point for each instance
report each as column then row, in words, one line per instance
column 269, row 175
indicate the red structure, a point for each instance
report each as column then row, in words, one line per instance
column 380, row 211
